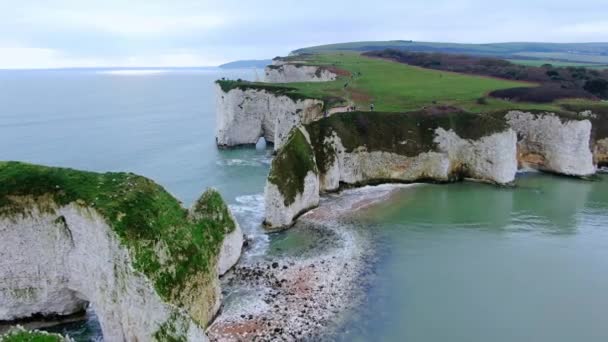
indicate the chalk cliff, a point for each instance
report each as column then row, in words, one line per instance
column 288, row 73
column 293, row 182
column 118, row 241
column 552, row 143
column 358, row 148
column 244, row 114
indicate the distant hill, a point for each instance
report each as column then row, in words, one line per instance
column 590, row 53
column 251, row 63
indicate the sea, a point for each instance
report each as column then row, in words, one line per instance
column 458, row 262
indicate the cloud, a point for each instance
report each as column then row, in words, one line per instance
column 588, row 28
column 122, row 23
column 41, row 58
column 202, row 32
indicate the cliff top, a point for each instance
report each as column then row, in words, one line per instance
column 399, row 87
column 146, row 218
column 407, row 134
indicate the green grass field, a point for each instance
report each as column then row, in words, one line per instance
column 397, row 87
column 572, row 52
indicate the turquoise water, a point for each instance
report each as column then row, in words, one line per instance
column 471, row 262
column 460, row 262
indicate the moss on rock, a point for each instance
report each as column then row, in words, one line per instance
column 143, row 215
column 407, row 134
column 21, row 335
column 291, row 165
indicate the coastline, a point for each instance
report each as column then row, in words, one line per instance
column 305, row 290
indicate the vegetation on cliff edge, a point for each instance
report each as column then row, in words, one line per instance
column 21, row 335
column 143, row 214
column 291, row 165
column 406, row 134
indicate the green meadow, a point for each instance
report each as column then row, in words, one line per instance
column 397, row 87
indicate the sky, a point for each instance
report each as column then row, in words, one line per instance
column 153, row 33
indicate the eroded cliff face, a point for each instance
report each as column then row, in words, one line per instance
column 57, row 255
column 437, row 153
column 245, row 115
column 293, row 182
column 288, row 73
column 550, row 143
column 600, row 152
column 53, row 264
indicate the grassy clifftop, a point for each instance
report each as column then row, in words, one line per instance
column 407, row 134
column 146, row 218
column 291, row 165
column 393, row 87
column 569, row 52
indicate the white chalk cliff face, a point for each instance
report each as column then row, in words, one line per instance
column 489, row 159
column 243, row 116
column 278, row 214
column 288, row 73
column 549, row 143
column 55, row 262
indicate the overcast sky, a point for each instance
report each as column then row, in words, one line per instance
column 86, row 33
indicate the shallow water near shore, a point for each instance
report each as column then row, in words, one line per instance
column 458, row 262
column 471, row 262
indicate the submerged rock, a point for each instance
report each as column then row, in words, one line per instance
column 116, row 240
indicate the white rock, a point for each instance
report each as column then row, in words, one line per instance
column 280, row 215
column 547, row 143
column 492, row 158
column 288, row 73
column 55, row 266
column 243, row 116
column 230, row 251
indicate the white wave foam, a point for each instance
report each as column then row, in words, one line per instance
column 249, row 212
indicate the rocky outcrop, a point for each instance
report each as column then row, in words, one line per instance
column 600, row 152
column 117, row 241
column 293, row 183
column 357, row 148
column 244, row 114
column 288, row 73
column 552, row 143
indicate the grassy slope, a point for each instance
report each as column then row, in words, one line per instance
column 584, row 51
column 396, row 87
column 140, row 211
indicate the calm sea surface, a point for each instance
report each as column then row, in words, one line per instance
column 460, row 262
